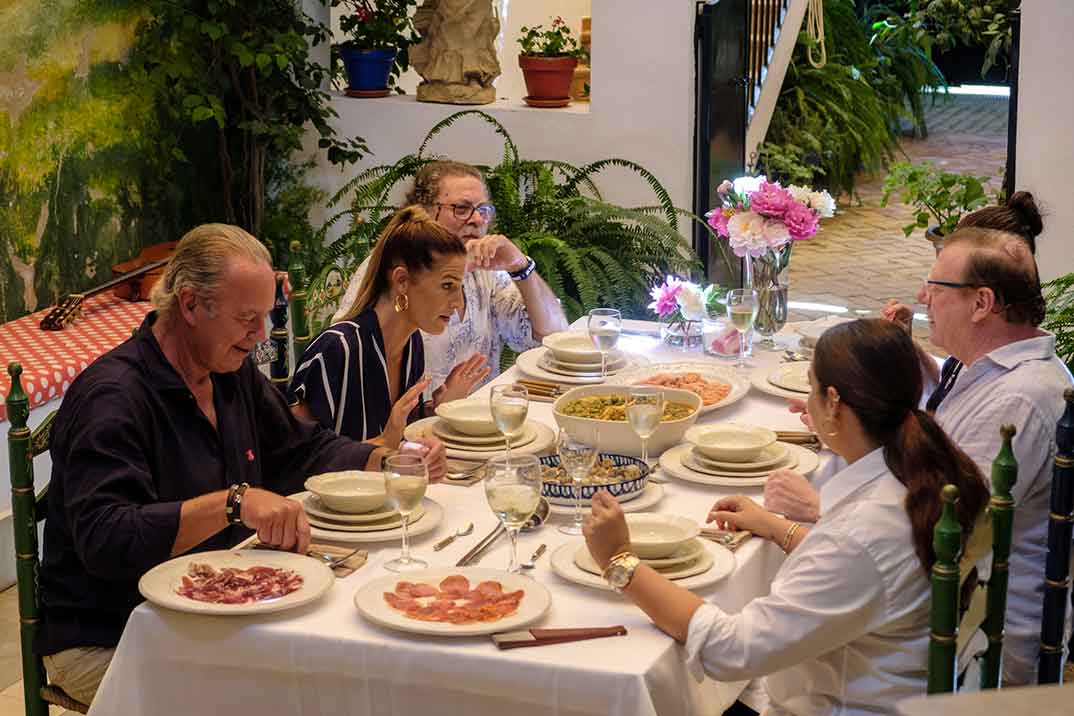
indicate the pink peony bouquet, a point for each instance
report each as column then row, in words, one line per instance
column 757, row 216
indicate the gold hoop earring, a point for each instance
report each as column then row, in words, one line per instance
column 827, row 434
column 402, row 303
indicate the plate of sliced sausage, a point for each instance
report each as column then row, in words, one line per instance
column 457, row 601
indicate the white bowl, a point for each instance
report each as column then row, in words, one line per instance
column 350, row 491
column 572, row 347
column 613, row 436
column 654, row 536
column 470, row 416
column 730, row 442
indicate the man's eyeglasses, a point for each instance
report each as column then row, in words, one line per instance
column 951, row 284
column 463, row 212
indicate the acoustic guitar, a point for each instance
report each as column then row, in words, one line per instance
column 135, row 281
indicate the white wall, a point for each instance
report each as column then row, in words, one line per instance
column 1045, row 162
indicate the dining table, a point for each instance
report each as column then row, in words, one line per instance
column 324, row 658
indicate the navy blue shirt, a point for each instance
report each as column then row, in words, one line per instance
column 343, row 377
column 129, row 445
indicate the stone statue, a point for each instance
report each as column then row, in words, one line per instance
column 456, row 57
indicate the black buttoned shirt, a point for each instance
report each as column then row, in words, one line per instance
column 129, row 446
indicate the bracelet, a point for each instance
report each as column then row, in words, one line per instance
column 233, row 507
column 524, row 273
column 789, row 536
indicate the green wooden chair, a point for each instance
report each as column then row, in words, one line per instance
column 27, row 510
column 280, row 338
column 1057, row 563
column 946, row 616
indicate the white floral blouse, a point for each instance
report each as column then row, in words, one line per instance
column 495, row 314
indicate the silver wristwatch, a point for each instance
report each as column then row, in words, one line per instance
column 620, row 570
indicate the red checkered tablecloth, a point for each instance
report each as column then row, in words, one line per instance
column 52, row 359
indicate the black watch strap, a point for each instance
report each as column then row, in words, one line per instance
column 233, row 507
column 524, row 273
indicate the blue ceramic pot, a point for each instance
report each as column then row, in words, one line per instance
column 562, row 493
column 367, row 70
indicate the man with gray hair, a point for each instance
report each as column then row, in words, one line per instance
column 173, row 443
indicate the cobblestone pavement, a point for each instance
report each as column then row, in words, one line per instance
column 861, row 258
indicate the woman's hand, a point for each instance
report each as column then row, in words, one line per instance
column 789, row 494
column 742, row 513
column 462, row 379
column 393, row 431
column 433, row 451
column 898, row 313
column 796, row 405
column 605, row 529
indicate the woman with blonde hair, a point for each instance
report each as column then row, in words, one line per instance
column 363, row 376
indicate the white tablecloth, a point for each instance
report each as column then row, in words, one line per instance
column 325, row 659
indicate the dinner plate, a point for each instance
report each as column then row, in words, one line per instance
column 314, row 507
column 793, row 376
column 699, row 563
column 698, row 463
column 369, row 599
column 671, row 462
column 443, row 430
column 739, row 385
column 770, row 456
column 434, row 514
column 159, row 584
column 528, row 363
column 759, row 380
column 687, row 553
column 583, row 370
column 648, row 497
column 389, row 524
column 545, row 439
column 723, row 563
column 529, row 434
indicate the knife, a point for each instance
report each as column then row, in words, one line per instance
column 539, row 637
column 475, row 554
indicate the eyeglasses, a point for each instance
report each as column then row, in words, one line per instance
column 463, row 212
column 951, row 284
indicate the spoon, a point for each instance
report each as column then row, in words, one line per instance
column 461, row 532
column 533, row 559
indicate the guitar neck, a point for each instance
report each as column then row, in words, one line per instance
column 124, row 278
column 66, row 310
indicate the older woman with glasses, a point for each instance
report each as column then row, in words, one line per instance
column 505, row 300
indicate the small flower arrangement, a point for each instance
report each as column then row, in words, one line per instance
column 553, row 42
column 758, row 216
column 680, row 304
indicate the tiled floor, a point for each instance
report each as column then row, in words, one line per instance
column 11, row 703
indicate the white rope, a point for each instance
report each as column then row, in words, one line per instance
column 815, row 28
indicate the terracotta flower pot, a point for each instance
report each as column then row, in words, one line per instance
column 548, row 79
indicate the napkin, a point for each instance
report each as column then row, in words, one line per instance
column 720, row 536
column 463, row 466
column 343, row 569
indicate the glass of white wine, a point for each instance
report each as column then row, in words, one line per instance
column 509, row 405
column 577, row 458
column 513, row 489
column 405, row 479
column 742, row 305
column 644, row 411
column 604, row 325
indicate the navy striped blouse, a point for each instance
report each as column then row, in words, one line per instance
column 343, row 377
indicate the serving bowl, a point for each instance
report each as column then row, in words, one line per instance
column 562, row 493
column 572, row 347
column 614, row 436
column 350, row 491
column 730, row 442
column 656, row 536
column 469, row 416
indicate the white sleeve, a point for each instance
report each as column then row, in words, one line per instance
column 351, row 294
column 828, row 594
column 510, row 319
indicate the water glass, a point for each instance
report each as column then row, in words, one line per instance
column 577, row 459
column 742, row 305
column 509, row 405
column 513, row 490
column 405, row 478
column 644, row 411
column 604, row 325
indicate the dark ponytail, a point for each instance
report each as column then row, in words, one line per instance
column 874, row 367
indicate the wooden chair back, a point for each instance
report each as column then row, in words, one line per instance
column 1057, row 564
column 299, row 335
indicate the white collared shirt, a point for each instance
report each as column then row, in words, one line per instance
column 1020, row 383
column 495, row 314
column 845, row 627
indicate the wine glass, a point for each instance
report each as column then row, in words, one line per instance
column 644, row 410
column 509, row 405
column 742, row 305
column 577, row 458
column 513, row 489
column 405, row 479
column 604, row 325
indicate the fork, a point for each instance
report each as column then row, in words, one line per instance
column 332, row 561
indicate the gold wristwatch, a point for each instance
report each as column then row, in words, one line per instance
column 620, row 570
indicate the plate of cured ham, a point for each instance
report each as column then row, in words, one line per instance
column 457, row 601
column 236, row 582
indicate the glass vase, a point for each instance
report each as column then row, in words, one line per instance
column 685, row 335
column 769, row 275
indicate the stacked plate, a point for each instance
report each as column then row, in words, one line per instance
column 787, row 380
column 544, row 364
column 697, row 563
column 382, row 524
column 686, row 463
column 536, row 438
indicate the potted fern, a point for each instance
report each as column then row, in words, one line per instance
column 548, row 59
column 1059, row 319
column 939, row 198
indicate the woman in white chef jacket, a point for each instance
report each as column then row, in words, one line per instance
column 845, row 627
